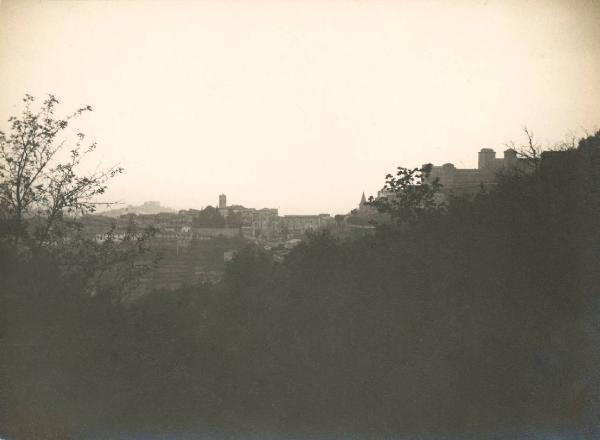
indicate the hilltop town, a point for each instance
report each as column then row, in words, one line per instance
column 193, row 245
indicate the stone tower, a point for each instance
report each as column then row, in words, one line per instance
column 510, row 158
column 222, row 201
column 487, row 156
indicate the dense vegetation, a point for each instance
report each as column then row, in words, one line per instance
column 479, row 315
column 209, row 217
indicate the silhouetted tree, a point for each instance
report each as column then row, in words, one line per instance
column 51, row 273
column 530, row 151
column 413, row 197
column 37, row 191
column 209, row 217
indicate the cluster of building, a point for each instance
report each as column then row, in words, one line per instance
column 180, row 234
column 264, row 226
column 194, row 250
column 268, row 224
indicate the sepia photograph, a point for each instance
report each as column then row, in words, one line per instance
column 300, row 220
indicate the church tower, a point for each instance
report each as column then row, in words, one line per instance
column 363, row 202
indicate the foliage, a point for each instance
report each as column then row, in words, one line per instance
column 413, row 195
column 209, row 217
column 37, row 191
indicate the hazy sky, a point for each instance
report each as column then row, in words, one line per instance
column 300, row 105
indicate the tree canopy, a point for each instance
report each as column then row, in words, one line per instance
column 38, row 191
column 209, row 217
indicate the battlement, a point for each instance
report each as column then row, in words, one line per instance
column 463, row 180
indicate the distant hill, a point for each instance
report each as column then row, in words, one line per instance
column 145, row 208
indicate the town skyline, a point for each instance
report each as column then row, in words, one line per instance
column 438, row 171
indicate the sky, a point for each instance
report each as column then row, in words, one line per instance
column 300, row 105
